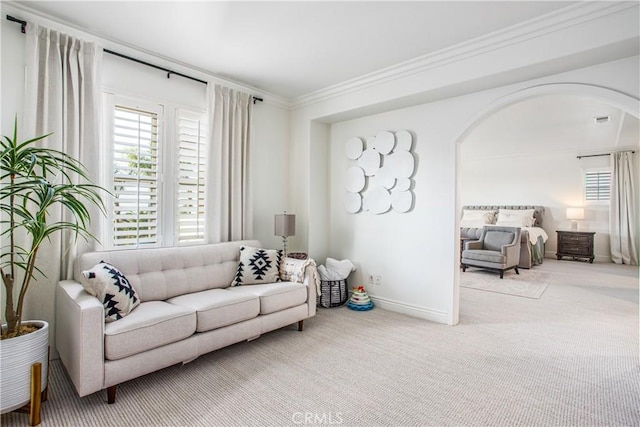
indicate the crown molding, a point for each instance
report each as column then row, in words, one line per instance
column 569, row 16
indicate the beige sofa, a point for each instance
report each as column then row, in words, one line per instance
column 186, row 309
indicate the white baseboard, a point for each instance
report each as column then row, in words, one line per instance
column 411, row 310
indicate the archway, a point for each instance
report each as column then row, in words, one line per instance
column 610, row 97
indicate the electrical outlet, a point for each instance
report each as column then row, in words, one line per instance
column 377, row 280
column 371, row 279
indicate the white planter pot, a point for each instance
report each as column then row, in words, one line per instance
column 16, row 357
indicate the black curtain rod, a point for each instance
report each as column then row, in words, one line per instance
column 601, row 155
column 169, row 72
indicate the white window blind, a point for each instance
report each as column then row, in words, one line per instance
column 597, row 186
column 135, row 177
column 192, row 165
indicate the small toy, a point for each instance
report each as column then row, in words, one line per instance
column 360, row 300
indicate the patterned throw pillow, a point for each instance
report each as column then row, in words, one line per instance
column 109, row 285
column 258, row 266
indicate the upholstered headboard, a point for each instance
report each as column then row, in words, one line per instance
column 538, row 212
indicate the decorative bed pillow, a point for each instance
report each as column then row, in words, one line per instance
column 258, row 266
column 516, row 217
column 472, row 218
column 109, row 285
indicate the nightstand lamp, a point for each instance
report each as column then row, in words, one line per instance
column 574, row 214
column 285, row 226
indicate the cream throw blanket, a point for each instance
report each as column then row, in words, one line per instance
column 292, row 270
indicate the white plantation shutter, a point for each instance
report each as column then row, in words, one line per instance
column 191, row 177
column 597, row 186
column 135, row 177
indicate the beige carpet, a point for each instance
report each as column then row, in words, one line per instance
column 529, row 283
column 568, row 359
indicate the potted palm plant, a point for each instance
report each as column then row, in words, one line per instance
column 36, row 185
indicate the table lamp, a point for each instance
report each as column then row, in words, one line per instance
column 285, row 226
column 575, row 214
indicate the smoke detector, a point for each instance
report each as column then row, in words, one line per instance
column 601, row 119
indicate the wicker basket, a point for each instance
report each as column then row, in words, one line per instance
column 333, row 293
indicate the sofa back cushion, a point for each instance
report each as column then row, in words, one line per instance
column 161, row 273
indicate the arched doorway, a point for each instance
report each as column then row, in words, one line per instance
column 610, row 97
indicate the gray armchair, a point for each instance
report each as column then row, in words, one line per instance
column 497, row 249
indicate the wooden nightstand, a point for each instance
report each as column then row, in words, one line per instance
column 575, row 244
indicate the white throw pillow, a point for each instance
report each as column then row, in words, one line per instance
column 258, row 266
column 477, row 218
column 516, row 217
column 109, row 285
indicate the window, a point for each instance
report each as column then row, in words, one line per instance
column 191, row 177
column 158, row 157
column 597, row 186
column 136, row 167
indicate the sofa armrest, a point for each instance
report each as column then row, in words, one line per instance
column 309, row 281
column 80, row 336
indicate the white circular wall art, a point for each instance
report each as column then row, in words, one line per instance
column 378, row 200
column 369, row 161
column 352, row 202
column 355, row 179
column 404, row 140
column 354, row 148
column 403, row 184
column 385, row 177
column 401, row 201
column 384, row 165
column 384, row 143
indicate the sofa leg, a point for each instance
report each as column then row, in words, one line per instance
column 300, row 325
column 464, row 268
column 517, row 272
column 111, row 394
column 501, row 274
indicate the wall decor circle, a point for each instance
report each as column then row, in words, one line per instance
column 355, row 179
column 352, row 202
column 404, row 140
column 354, row 148
column 385, row 177
column 403, row 184
column 369, row 161
column 401, row 201
column 378, row 200
column 385, row 141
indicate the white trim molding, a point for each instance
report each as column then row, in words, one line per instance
column 567, row 17
column 411, row 310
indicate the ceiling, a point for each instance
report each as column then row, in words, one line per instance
column 552, row 123
column 291, row 48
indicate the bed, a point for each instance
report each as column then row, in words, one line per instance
column 533, row 237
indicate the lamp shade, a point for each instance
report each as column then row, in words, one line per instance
column 575, row 213
column 284, row 225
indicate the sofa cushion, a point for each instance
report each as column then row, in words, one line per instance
column 257, row 265
column 216, row 308
column 152, row 324
column 275, row 296
column 108, row 284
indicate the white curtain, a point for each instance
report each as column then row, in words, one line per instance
column 623, row 218
column 229, row 199
column 63, row 97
